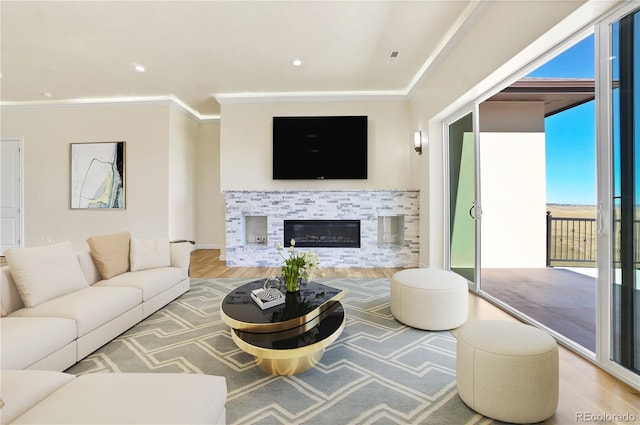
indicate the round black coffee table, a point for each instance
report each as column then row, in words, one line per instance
column 288, row 338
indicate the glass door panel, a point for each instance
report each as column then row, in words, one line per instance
column 538, row 244
column 625, row 289
column 462, row 195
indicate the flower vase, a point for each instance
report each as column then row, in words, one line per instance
column 292, row 309
column 292, row 283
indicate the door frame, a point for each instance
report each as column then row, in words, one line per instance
column 472, row 109
column 20, row 142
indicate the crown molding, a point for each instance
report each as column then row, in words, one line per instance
column 69, row 103
column 277, row 97
column 194, row 112
column 465, row 22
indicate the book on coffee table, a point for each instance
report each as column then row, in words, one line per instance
column 264, row 301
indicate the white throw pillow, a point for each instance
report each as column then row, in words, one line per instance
column 149, row 253
column 44, row 273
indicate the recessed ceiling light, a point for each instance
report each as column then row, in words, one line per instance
column 46, row 94
column 138, row 67
column 296, row 62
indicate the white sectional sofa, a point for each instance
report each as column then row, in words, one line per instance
column 58, row 306
column 46, row 397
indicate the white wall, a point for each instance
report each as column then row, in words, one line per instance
column 513, row 200
column 47, row 134
column 246, row 145
column 183, row 145
column 210, row 211
column 513, row 179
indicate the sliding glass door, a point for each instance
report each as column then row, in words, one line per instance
column 625, row 129
column 616, row 88
column 464, row 211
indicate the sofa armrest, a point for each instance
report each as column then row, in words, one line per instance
column 181, row 255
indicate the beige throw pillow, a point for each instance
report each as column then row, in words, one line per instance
column 150, row 253
column 44, row 273
column 110, row 253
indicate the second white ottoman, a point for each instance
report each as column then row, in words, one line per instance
column 507, row 370
column 430, row 299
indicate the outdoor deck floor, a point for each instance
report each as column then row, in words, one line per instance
column 562, row 300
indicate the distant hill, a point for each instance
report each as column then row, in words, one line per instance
column 574, row 211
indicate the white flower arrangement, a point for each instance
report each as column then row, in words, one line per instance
column 297, row 265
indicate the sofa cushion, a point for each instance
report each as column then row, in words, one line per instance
column 26, row 340
column 90, row 307
column 149, row 253
column 110, row 253
column 133, row 398
column 151, row 282
column 46, row 272
column 23, row 389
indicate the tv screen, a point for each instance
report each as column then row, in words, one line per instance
column 320, row 147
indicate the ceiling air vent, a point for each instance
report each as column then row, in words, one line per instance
column 393, row 56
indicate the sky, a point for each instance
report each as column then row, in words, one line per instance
column 570, row 135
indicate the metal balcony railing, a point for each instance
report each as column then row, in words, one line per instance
column 573, row 240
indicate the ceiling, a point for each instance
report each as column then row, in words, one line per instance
column 207, row 52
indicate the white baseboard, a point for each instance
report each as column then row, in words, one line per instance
column 223, row 258
column 206, row 246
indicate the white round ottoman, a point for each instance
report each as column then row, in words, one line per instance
column 430, row 299
column 507, row 370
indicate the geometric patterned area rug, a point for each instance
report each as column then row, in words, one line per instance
column 378, row 371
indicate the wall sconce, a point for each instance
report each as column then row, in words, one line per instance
column 417, row 142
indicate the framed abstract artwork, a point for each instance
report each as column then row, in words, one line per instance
column 98, row 175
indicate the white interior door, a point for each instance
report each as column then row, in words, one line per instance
column 11, row 195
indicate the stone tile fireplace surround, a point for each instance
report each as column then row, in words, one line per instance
column 389, row 222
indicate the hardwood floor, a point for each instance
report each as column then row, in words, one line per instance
column 584, row 388
column 562, row 300
column 206, row 263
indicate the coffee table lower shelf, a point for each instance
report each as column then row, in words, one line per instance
column 292, row 355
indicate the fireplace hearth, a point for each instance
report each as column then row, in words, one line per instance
column 322, row 233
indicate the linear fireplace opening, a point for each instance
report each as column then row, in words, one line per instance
column 322, row 233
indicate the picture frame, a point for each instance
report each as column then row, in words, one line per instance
column 98, row 175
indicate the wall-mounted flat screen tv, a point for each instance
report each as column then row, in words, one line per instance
column 324, row 147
